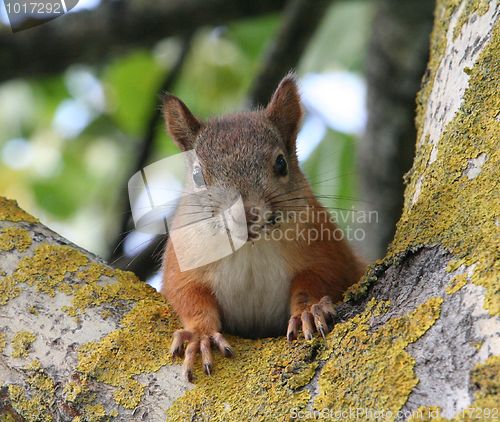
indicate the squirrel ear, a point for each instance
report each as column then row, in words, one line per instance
column 284, row 109
column 181, row 124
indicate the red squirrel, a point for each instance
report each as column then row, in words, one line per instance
column 273, row 284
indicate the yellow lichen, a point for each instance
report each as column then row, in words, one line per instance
column 72, row 391
column 92, row 284
column 33, row 404
column 264, row 370
column 21, row 344
column 456, row 283
column 361, row 364
column 140, row 345
column 33, row 310
column 479, row 7
column 363, row 368
column 38, row 379
column 360, row 289
column 95, row 413
column 452, row 210
column 8, row 289
column 104, row 285
column 36, row 403
column 44, row 270
column 106, row 313
column 14, row 238
column 454, row 264
column 383, row 376
column 3, row 341
column 486, row 378
column 10, row 211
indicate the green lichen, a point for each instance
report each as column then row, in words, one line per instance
column 14, row 238
column 383, row 376
column 10, row 211
column 21, row 344
column 452, row 210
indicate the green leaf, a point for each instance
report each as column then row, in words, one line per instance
column 131, row 83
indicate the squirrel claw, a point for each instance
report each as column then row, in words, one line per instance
column 322, row 332
column 208, row 368
column 188, row 374
column 228, row 352
column 311, row 320
column 198, row 344
column 293, row 328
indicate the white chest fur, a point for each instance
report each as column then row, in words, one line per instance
column 252, row 287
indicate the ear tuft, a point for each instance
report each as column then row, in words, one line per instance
column 284, row 109
column 181, row 124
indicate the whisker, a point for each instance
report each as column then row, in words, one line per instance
column 301, row 208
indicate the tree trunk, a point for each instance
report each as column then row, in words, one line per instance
column 417, row 336
column 395, row 63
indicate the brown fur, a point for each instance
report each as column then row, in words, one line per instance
column 237, row 154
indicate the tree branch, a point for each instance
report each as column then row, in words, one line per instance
column 95, row 35
column 145, row 264
column 301, row 18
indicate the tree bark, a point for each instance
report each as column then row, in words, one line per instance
column 418, row 336
column 395, row 62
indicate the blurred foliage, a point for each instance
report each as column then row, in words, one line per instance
column 73, row 182
column 130, row 81
column 331, row 171
column 341, row 40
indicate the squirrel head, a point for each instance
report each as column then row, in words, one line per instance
column 252, row 154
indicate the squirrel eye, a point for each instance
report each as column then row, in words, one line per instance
column 281, row 167
column 198, row 177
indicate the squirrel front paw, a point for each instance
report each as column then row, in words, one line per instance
column 312, row 319
column 198, row 342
